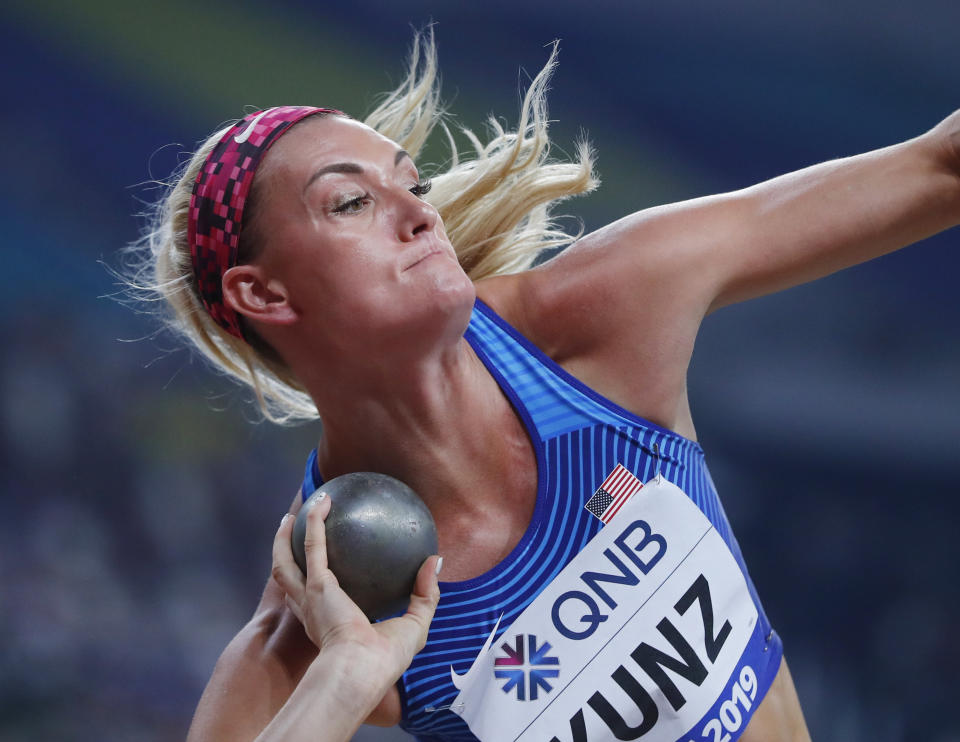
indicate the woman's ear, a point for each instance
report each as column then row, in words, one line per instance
column 248, row 291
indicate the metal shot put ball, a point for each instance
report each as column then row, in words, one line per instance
column 378, row 534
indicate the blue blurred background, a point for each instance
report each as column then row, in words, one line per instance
column 139, row 501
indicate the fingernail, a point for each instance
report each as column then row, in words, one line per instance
column 439, row 565
column 284, row 518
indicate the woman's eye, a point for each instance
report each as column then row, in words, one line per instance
column 422, row 188
column 352, row 206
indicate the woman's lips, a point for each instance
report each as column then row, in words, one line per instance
column 422, row 255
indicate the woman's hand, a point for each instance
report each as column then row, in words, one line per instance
column 358, row 661
column 378, row 652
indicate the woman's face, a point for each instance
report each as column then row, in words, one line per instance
column 360, row 255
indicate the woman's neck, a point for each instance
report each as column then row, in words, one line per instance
column 441, row 425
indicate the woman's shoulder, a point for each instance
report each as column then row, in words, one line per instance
column 621, row 283
column 609, row 336
column 558, row 305
column 520, row 299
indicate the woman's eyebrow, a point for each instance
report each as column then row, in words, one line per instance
column 349, row 167
column 337, row 167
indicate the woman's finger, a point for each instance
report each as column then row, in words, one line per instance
column 295, row 609
column 285, row 570
column 409, row 631
column 426, row 592
column 315, row 539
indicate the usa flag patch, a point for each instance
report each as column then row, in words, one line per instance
column 619, row 486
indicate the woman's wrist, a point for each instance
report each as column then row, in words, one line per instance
column 333, row 698
column 359, row 678
column 944, row 140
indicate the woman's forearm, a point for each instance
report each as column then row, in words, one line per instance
column 334, row 697
column 816, row 221
column 253, row 678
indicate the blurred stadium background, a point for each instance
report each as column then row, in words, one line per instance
column 139, row 501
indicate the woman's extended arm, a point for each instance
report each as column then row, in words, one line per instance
column 830, row 216
column 709, row 252
column 621, row 308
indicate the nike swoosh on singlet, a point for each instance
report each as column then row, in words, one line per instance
column 460, row 679
column 245, row 134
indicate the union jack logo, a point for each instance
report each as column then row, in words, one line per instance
column 526, row 667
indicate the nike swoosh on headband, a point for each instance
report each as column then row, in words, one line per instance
column 245, row 134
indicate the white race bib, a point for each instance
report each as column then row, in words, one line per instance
column 638, row 636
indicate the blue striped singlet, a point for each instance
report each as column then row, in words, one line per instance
column 579, row 437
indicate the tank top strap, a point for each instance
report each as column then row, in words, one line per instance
column 556, row 402
column 311, row 476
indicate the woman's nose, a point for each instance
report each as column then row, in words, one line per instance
column 418, row 216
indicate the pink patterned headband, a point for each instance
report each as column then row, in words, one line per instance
column 219, row 195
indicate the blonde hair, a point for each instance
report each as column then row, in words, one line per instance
column 495, row 207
